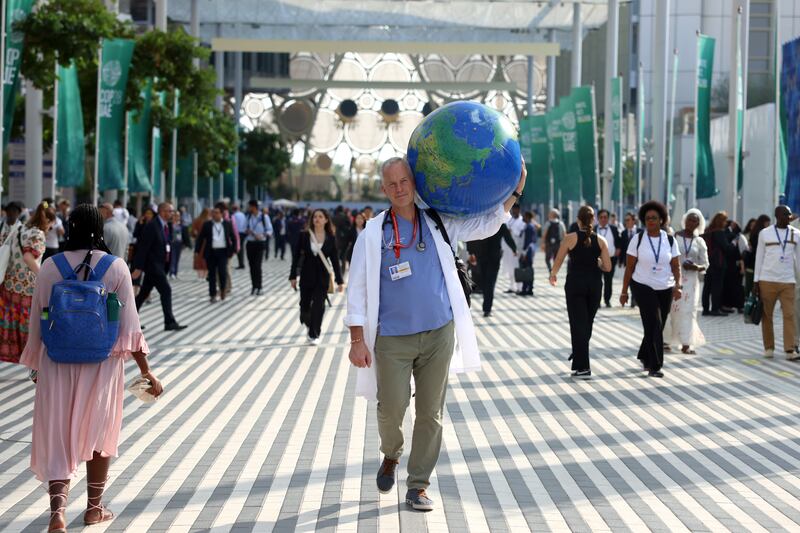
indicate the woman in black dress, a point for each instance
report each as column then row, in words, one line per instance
column 588, row 259
column 315, row 261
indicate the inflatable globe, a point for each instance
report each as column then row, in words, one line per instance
column 465, row 159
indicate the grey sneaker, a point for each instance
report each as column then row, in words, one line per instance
column 417, row 499
column 385, row 477
column 582, row 374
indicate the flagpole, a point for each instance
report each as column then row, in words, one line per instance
column 174, row 150
column 671, row 130
column 2, row 91
column 55, row 137
column 778, row 129
column 639, row 131
column 194, row 183
column 95, row 182
column 693, row 192
column 733, row 118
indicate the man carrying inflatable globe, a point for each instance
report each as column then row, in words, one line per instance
column 406, row 308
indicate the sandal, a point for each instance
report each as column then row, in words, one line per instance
column 61, row 508
column 688, row 351
column 105, row 514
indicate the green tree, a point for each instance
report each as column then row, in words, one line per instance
column 263, row 157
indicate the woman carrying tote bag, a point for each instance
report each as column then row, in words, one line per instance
column 315, row 262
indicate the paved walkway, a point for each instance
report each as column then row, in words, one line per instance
column 258, row 432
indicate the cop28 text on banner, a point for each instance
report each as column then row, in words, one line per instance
column 16, row 11
column 113, row 77
column 537, row 187
column 704, row 160
column 790, row 77
column 571, row 181
column 71, row 153
column 583, row 100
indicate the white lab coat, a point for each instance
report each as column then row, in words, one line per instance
column 363, row 290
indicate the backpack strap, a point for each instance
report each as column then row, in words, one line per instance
column 102, row 267
column 64, row 267
column 434, row 214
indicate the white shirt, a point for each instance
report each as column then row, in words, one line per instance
column 517, row 228
column 217, row 235
column 655, row 274
column 608, row 234
column 121, row 214
column 240, row 220
column 51, row 237
column 770, row 249
column 259, row 224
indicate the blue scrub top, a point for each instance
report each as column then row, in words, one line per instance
column 418, row 302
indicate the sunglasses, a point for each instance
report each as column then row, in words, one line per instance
column 653, row 217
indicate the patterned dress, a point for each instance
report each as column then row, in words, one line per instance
column 16, row 293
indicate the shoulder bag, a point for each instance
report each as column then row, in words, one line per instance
column 326, row 263
column 461, row 267
column 5, row 252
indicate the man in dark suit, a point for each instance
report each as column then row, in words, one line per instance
column 218, row 243
column 626, row 235
column 487, row 252
column 610, row 233
column 152, row 259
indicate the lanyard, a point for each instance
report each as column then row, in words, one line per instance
column 785, row 240
column 656, row 254
column 397, row 245
column 221, row 229
column 687, row 249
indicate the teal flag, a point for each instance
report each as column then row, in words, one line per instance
column 704, row 160
column 537, row 186
column 616, row 116
column 139, row 127
column 571, row 182
column 113, row 77
column 553, row 118
column 583, row 99
column 185, row 171
column 156, row 162
column 670, row 136
column 525, row 151
column 70, row 149
column 737, row 161
column 780, row 110
column 16, row 11
column 640, row 118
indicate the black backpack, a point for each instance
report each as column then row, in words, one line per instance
column 463, row 274
column 553, row 233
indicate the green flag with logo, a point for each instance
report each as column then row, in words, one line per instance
column 70, row 149
column 115, row 62
column 616, row 116
column 704, row 160
column 139, row 127
column 537, row 186
column 525, row 148
column 16, row 11
column 553, row 118
column 156, row 154
column 571, row 182
column 583, row 100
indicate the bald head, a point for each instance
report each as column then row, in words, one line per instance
column 106, row 210
column 783, row 215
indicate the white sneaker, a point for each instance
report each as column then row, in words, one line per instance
column 313, row 342
column 769, row 353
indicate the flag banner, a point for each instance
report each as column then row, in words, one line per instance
column 553, row 118
column 113, row 77
column 185, row 171
column 571, row 181
column 640, row 122
column 704, row 160
column 70, row 148
column 525, row 151
column 16, row 11
column 585, row 116
column 156, row 162
column 616, row 116
column 537, row 186
column 738, row 160
column 790, row 75
column 670, row 130
column 139, row 128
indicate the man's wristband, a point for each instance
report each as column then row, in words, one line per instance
column 356, row 341
column 516, row 195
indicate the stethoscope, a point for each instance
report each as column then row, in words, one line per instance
column 389, row 219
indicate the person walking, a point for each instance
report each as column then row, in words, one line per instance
column 199, row 263
column 749, row 257
column 152, row 257
column 27, row 248
column 552, row 234
column 294, row 227
column 610, row 233
column 241, row 224
column 488, row 253
column 718, row 249
column 257, row 231
column 625, row 235
column 268, row 219
column 180, row 239
column 316, row 263
column 529, row 240
column 52, row 235
column 279, row 227
column 115, row 233
column 11, row 222
column 77, row 410
column 403, row 276
column 217, row 243
column 510, row 261
column 589, row 258
column 774, row 279
column 653, row 272
column 682, row 326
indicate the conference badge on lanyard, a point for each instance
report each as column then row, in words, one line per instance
column 782, row 244
column 656, row 253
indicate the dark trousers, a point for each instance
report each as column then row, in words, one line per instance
column 240, row 253
column 280, row 245
column 255, row 254
column 217, row 263
column 527, row 261
column 583, row 299
column 266, row 248
column 312, row 308
column 550, row 253
column 175, row 257
column 489, row 269
column 608, row 282
column 712, row 289
column 157, row 279
column 654, row 309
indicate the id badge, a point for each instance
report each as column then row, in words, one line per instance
column 169, row 248
column 783, row 259
column 400, row 270
column 658, row 269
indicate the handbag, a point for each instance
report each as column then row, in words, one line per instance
column 753, row 310
column 523, row 275
column 327, row 264
column 461, row 267
column 5, row 253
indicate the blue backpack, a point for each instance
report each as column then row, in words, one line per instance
column 76, row 327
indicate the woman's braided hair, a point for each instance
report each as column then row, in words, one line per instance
column 85, row 229
column 586, row 223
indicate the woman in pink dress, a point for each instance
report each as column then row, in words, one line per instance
column 77, row 412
